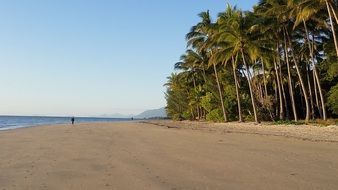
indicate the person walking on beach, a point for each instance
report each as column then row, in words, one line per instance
column 73, row 120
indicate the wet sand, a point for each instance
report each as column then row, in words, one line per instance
column 143, row 156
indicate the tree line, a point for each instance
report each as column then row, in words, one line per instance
column 276, row 62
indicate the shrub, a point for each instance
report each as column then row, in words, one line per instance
column 332, row 100
column 215, row 115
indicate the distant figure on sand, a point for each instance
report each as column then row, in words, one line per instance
column 73, row 120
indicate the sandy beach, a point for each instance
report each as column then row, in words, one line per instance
column 145, row 156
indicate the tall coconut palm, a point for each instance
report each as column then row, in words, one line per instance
column 236, row 35
column 225, row 52
column 190, row 65
column 199, row 38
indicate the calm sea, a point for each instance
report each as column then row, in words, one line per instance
column 14, row 122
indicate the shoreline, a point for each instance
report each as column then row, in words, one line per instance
column 311, row 133
column 56, row 124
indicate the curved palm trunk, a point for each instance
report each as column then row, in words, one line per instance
column 316, row 76
column 240, row 119
column 320, row 94
column 250, row 88
column 192, row 114
column 220, row 94
column 290, row 81
column 316, row 96
column 310, row 91
column 276, row 96
column 332, row 27
column 315, row 73
column 264, row 80
column 287, row 110
column 306, row 98
column 281, row 107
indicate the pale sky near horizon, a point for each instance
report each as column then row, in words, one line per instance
column 92, row 57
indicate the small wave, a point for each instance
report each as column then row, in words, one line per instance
column 8, row 125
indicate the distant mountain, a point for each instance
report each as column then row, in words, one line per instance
column 152, row 113
column 116, row 115
column 146, row 114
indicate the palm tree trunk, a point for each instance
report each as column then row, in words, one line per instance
column 307, row 40
column 320, row 94
column 306, row 98
column 315, row 72
column 316, row 96
column 276, row 112
column 316, row 76
column 260, row 90
column 240, row 119
column 287, row 110
column 264, row 80
column 290, row 80
column 220, row 94
column 197, row 107
column 310, row 90
column 301, row 99
column 281, row 106
column 250, row 88
column 315, row 87
column 192, row 114
column 332, row 27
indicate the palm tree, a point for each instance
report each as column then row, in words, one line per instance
column 225, row 52
column 176, row 96
column 199, row 38
column 234, row 32
column 192, row 64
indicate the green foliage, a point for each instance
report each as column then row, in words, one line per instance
column 332, row 71
column 332, row 100
column 230, row 102
column 288, row 122
column 206, row 102
column 249, row 117
column 186, row 115
column 247, row 50
column 175, row 116
column 177, row 97
column 215, row 115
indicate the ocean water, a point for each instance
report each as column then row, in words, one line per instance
column 14, row 122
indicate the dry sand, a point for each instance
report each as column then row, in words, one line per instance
column 309, row 132
column 144, row 156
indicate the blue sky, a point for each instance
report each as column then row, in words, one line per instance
column 92, row 57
